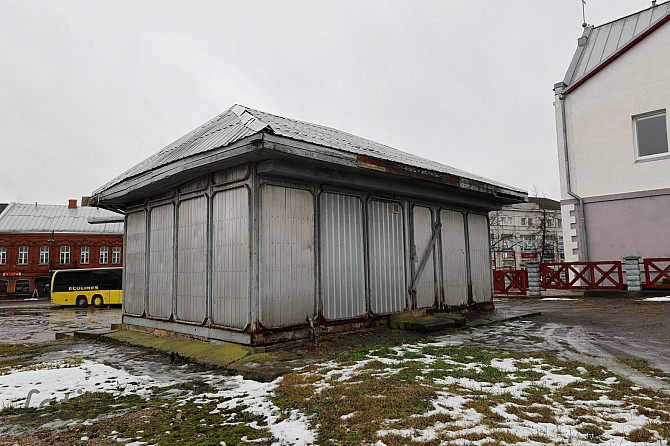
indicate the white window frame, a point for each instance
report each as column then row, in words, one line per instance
column 3, row 255
column 64, row 255
column 23, row 255
column 85, row 255
column 656, row 156
column 116, row 255
column 104, row 255
column 44, row 255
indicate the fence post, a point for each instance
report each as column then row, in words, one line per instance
column 534, row 281
column 633, row 273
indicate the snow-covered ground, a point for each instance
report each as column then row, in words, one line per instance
column 527, row 396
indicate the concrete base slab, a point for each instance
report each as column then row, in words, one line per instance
column 459, row 319
column 219, row 355
column 426, row 324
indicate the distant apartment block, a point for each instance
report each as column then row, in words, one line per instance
column 526, row 231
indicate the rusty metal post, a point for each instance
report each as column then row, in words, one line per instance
column 534, row 279
column 633, row 273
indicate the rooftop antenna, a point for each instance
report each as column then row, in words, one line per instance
column 653, row 3
column 584, row 24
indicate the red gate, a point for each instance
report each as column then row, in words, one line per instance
column 582, row 275
column 512, row 282
column 657, row 273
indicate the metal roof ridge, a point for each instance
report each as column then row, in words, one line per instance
column 631, row 14
column 570, row 83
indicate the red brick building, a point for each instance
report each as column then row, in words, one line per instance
column 36, row 239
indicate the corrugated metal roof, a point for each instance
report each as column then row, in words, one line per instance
column 26, row 218
column 239, row 122
column 600, row 44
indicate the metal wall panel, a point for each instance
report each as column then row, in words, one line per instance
column 192, row 260
column 199, row 184
column 423, row 232
column 454, row 258
column 480, row 258
column 342, row 256
column 161, row 261
column 230, row 258
column 287, row 256
column 231, row 175
column 135, row 263
column 387, row 265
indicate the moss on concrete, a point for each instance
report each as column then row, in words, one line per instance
column 184, row 350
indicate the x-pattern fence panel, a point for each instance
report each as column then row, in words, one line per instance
column 582, row 275
column 512, row 282
column 657, row 272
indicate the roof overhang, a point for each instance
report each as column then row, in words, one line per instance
column 317, row 163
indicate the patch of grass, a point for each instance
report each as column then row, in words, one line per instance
column 577, row 391
column 165, row 418
column 640, row 435
column 371, row 397
column 592, row 432
column 86, row 406
column 539, row 438
column 643, row 366
column 18, row 355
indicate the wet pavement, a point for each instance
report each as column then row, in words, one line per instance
column 618, row 327
column 36, row 325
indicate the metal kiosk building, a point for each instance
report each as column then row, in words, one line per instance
column 252, row 224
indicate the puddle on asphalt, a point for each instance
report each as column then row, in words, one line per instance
column 41, row 325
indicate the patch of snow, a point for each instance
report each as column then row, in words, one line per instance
column 558, row 298
column 657, row 299
column 42, row 386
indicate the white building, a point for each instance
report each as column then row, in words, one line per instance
column 611, row 121
column 519, row 232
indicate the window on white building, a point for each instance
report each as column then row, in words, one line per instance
column 523, row 221
column 116, row 254
column 44, row 255
column 528, row 243
column 651, row 134
column 104, row 255
column 64, row 255
column 23, row 255
column 85, row 255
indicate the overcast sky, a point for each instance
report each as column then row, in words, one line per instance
column 89, row 88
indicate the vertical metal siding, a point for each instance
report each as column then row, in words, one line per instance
column 230, row 175
column 135, row 256
column 423, row 232
column 287, row 256
column 161, row 261
column 387, row 253
column 342, row 256
column 192, row 260
column 454, row 258
column 230, row 258
column 480, row 258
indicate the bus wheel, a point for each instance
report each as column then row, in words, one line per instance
column 97, row 301
column 82, row 302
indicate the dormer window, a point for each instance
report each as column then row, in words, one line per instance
column 651, row 134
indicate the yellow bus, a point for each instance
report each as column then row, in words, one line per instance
column 84, row 287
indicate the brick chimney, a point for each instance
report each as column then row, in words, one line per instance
column 72, row 204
